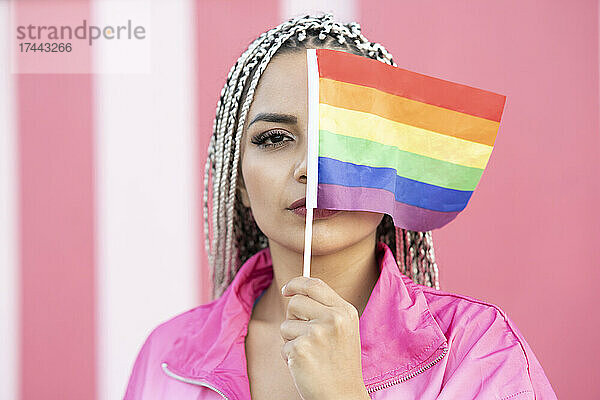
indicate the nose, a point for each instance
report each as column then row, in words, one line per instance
column 300, row 171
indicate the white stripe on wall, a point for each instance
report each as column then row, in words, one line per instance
column 9, row 283
column 343, row 10
column 146, row 186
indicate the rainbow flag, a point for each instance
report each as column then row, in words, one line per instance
column 389, row 140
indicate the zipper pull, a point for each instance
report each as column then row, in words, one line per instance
column 165, row 368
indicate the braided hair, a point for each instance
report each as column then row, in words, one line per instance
column 234, row 232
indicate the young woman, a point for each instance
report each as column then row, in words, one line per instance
column 371, row 321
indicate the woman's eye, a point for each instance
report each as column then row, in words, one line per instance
column 270, row 139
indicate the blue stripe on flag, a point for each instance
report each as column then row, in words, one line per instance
column 405, row 190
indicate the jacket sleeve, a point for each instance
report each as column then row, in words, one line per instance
column 539, row 382
column 492, row 360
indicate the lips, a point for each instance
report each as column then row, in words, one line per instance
column 318, row 213
column 298, row 203
column 299, row 208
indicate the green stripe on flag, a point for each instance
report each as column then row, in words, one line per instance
column 407, row 164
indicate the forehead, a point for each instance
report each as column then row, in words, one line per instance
column 282, row 86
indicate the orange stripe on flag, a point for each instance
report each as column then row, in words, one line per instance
column 410, row 112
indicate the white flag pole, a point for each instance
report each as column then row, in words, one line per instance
column 307, row 242
column 312, row 167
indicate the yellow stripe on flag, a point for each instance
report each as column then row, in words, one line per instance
column 405, row 137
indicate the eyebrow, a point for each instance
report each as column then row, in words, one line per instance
column 275, row 117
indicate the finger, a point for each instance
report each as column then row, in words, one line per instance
column 294, row 349
column 290, row 329
column 314, row 288
column 304, row 308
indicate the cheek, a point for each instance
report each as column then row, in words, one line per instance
column 261, row 180
column 361, row 221
column 344, row 230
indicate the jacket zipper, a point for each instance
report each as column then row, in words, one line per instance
column 407, row 377
column 192, row 381
column 370, row 390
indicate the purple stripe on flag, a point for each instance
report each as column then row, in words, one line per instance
column 378, row 200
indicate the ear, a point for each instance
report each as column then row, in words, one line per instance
column 241, row 187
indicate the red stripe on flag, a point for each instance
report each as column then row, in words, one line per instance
column 401, row 82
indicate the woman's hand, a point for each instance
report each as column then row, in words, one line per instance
column 322, row 342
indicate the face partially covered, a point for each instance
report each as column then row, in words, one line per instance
column 273, row 164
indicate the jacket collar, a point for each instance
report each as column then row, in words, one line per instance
column 398, row 332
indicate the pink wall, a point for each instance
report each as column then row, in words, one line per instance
column 528, row 240
column 56, row 218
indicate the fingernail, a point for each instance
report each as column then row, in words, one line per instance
column 283, row 289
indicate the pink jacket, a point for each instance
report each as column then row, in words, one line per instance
column 417, row 343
